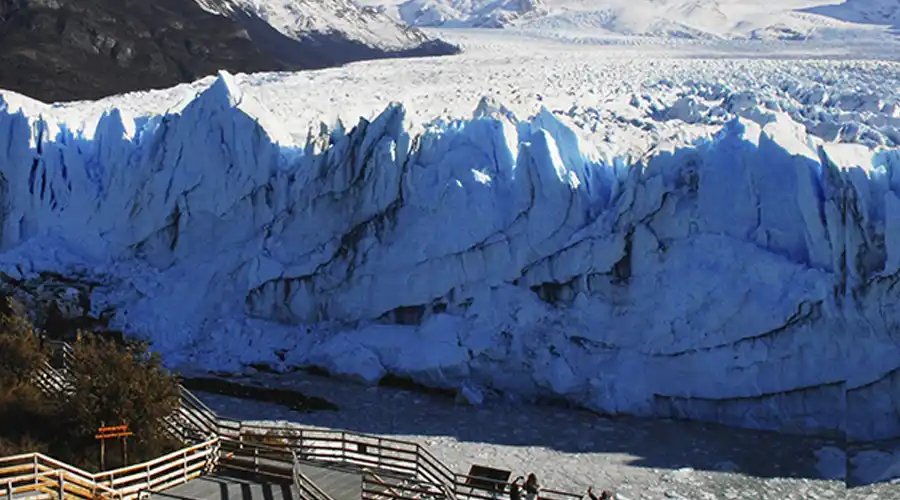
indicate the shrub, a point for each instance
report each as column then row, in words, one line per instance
column 112, row 383
column 115, row 384
column 23, row 353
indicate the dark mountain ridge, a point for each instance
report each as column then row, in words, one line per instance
column 65, row 50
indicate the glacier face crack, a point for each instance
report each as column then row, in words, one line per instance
column 748, row 279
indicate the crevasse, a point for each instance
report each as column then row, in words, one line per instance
column 749, row 279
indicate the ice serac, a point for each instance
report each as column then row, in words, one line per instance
column 748, row 279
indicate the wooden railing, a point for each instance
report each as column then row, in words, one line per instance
column 308, row 489
column 39, row 474
column 269, row 461
column 164, row 472
column 389, row 486
column 275, row 451
column 375, row 457
column 265, row 449
column 50, row 381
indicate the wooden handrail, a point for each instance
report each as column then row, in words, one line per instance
column 16, row 458
column 427, row 458
column 186, row 394
column 147, row 476
column 381, row 482
column 64, row 478
column 56, row 464
column 362, row 450
column 303, row 483
column 170, row 456
column 187, row 461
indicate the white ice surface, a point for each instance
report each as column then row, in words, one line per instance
column 795, row 20
column 708, row 251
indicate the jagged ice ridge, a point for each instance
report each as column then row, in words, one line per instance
column 748, row 279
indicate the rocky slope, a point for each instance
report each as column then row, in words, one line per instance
column 62, row 50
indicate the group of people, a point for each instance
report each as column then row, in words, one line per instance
column 531, row 488
column 527, row 491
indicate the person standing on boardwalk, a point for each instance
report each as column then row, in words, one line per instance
column 531, row 487
column 515, row 491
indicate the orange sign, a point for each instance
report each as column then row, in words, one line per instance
column 113, row 435
column 113, row 428
column 114, row 431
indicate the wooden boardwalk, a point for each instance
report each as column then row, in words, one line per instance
column 338, row 484
column 219, row 487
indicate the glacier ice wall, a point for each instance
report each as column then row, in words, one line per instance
column 749, row 279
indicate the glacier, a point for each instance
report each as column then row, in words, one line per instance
column 748, row 279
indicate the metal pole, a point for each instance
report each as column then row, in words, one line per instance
column 62, row 485
column 9, row 491
column 184, row 464
column 102, row 449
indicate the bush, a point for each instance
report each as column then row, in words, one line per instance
column 112, row 383
column 116, row 384
column 23, row 353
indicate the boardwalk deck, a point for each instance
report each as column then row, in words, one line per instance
column 339, row 484
column 220, row 487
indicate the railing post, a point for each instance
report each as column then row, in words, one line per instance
column 380, row 445
column 299, row 444
column 212, row 458
column 295, row 468
column 62, row 485
column 35, row 469
column 418, row 462
column 148, row 477
column 9, row 492
column 184, row 464
column 256, row 460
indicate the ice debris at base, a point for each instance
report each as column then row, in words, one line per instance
column 748, row 279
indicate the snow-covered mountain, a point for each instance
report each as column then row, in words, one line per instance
column 313, row 19
column 787, row 19
column 66, row 50
column 469, row 13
